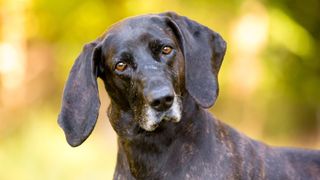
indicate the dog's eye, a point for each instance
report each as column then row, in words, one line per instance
column 121, row 66
column 166, row 50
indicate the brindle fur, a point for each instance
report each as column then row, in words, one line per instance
column 199, row 146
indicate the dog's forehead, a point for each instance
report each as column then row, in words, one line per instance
column 131, row 29
column 144, row 21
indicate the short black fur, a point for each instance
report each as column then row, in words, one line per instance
column 182, row 140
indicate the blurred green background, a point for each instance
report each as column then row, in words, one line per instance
column 270, row 79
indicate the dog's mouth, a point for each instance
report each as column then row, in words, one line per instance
column 152, row 118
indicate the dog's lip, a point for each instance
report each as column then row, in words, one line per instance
column 155, row 128
column 163, row 119
column 169, row 118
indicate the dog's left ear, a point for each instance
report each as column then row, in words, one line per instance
column 80, row 103
column 203, row 51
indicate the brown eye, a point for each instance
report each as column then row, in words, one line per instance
column 166, row 50
column 121, row 66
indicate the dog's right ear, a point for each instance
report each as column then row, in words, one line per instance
column 80, row 103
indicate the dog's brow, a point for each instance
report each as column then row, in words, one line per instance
column 145, row 36
column 126, row 56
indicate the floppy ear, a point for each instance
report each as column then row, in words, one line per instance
column 203, row 51
column 80, row 103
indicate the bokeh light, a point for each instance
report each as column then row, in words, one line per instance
column 269, row 80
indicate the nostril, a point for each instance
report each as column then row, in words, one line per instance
column 163, row 103
column 155, row 103
column 169, row 100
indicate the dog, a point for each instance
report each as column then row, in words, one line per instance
column 160, row 72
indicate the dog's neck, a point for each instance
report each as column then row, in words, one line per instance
column 141, row 147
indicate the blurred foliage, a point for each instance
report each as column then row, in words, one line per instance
column 270, row 79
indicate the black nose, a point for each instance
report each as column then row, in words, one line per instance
column 161, row 100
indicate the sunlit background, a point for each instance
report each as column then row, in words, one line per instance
column 270, row 79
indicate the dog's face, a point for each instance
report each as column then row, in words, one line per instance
column 141, row 64
column 148, row 64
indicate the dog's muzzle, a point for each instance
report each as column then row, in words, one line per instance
column 160, row 101
column 162, row 105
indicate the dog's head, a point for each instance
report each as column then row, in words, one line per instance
column 148, row 63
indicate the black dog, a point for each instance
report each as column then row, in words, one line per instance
column 160, row 72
